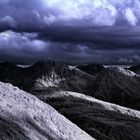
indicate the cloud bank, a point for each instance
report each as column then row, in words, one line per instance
column 42, row 13
column 26, row 48
column 74, row 31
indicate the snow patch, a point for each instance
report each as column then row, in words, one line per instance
column 127, row 72
column 123, row 71
column 52, row 80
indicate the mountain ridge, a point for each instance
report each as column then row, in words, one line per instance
column 25, row 117
column 72, row 92
column 113, row 85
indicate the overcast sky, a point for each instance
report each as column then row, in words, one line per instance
column 74, row 31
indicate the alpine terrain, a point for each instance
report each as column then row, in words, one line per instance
column 102, row 101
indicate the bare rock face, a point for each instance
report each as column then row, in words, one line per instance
column 43, row 75
column 24, row 117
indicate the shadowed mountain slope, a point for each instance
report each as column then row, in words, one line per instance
column 115, row 85
column 135, row 69
column 92, row 68
column 49, row 81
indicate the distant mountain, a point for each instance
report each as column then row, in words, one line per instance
column 24, row 117
column 44, row 75
column 72, row 91
column 135, row 69
column 115, row 85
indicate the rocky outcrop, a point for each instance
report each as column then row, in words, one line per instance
column 25, row 117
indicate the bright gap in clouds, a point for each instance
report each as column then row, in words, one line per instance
column 94, row 12
column 41, row 13
column 90, row 10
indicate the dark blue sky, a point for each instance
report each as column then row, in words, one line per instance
column 75, row 31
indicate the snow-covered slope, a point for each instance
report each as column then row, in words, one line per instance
column 24, row 117
column 126, row 72
column 106, row 105
column 102, row 120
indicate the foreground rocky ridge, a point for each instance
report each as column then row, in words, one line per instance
column 24, row 117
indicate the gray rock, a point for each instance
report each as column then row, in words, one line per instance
column 24, row 117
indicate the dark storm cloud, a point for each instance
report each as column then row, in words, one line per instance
column 26, row 47
column 71, row 31
column 33, row 48
column 102, row 38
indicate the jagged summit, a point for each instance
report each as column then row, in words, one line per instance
column 37, row 70
column 49, row 63
column 47, row 67
column 43, row 75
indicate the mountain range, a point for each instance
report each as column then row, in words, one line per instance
column 102, row 101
